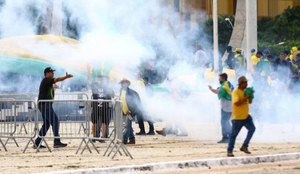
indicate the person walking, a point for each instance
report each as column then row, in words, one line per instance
column 46, row 92
column 224, row 94
column 240, row 116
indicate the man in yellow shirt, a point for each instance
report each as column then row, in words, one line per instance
column 254, row 59
column 240, row 66
column 240, row 117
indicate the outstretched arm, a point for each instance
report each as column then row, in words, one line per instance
column 216, row 91
column 59, row 79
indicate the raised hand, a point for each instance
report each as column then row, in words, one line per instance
column 69, row 75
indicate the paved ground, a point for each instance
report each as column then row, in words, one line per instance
column 147, row 150
column 286, row 167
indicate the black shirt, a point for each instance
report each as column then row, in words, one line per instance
column 102, row 92
column 46, row 91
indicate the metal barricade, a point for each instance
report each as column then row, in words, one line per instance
column 15, row 96
column 100, row 120
column 69, row 119
column 105, row 114
column 116, row 145
column 63, row 96
column 17, row 120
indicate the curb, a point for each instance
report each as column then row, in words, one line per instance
column 208, row 163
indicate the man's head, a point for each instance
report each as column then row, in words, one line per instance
column 238, row 50
column 199, row 47
column 297, row 58
column 146, row 80
column 229, row 49
column 282, row 56
column 243, row 82
column 223, row 77
column 267, row 52
column 286, row 53
column 103, row 80
column 259, row 54
column 49, row 72
column 294, row 49
column 253, row 51
column 125, row 83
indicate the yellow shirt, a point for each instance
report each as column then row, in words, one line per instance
column 239, row 112
column 254, row 59
column 125, row 108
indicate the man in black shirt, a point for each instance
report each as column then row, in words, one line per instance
column 101, row 111
column 46, row 92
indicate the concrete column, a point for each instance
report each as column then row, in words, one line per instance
column 215, row 35
column 46, row 23
column 251, row 30
column 57, row 16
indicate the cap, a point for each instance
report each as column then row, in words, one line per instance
column 294, row 49
column 238, row 50
column 48, row 69
column 242, row 80
column 252, row 50
column 125, row 81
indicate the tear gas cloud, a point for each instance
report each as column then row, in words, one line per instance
column 125, row 33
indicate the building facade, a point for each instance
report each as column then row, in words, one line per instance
column 265, row 8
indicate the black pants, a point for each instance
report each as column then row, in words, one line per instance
column 140, row 119
column 49, row 118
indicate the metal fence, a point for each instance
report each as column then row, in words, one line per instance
column 67, row 118
column 58, row 96
column 73, row 116
column 62, row 96
column 17, row 120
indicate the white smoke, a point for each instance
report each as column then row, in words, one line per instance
column 124, row 33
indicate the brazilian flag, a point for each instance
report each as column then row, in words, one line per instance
column 225, row 91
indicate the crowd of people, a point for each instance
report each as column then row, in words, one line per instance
column 234, row 101
column 284, row 67
column 235, row 111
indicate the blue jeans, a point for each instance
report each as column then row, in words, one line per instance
column 237, row 125
column 49, row 118
column 225, row 124
column 128, row 132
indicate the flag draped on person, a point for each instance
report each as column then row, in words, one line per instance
column 225, row 91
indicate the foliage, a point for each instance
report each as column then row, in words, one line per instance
column 224, row 29
column 277, row 34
